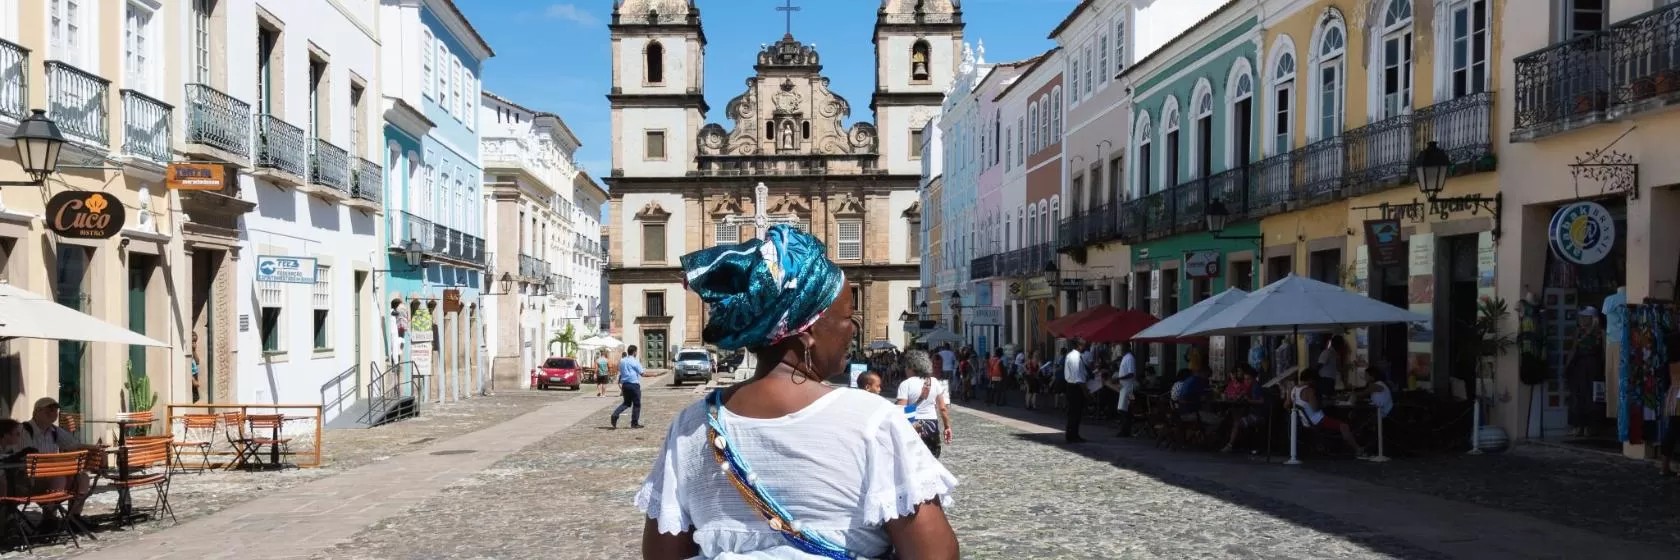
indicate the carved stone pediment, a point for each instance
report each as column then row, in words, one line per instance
column 849, row 205
column 914, row 212
column 726, row 206
column 653, row 212
column 789, row 205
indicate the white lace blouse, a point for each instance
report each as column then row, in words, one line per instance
column 842, row 467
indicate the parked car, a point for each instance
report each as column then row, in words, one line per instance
column 693, row 363
column 558, row 371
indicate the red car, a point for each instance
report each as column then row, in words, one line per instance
column 557, row 372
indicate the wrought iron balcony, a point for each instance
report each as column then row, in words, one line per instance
column 1463, row 127
column 218, row 120
column 1633, row 66
column 983, row 267
column 146, row 131
column 14, row 82
column 1071, row 232
column 1380, row 154
column 329, row 165
column 406, row 226
column 368, row 182
column 1323, row 164
column 478, row 255
column 532, row 267
column 1183, row 208
column 281, row 146
column 76, row 100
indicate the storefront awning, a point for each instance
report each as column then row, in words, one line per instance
column 26, row 314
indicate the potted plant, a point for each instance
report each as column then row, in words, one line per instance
column 1589, row 101
column 1492, row 342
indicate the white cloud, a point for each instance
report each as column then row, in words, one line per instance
column 571, row 13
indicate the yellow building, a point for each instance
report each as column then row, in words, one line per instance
column 119, row 131
column 1353, row 91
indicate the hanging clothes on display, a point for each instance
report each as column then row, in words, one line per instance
column 1643, row 380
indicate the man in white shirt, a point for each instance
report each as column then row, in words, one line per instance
column 947, row 362
column 1126, row 383
column 1074, row 373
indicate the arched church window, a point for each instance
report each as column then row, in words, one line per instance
column 919, row 60
column 655, row 62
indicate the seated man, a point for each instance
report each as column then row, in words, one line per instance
column 43, row 433
column 1190, row 394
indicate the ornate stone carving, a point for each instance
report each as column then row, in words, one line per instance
column 849, row 205
column 653, row 212
column 712, row 140
column 863, row 138
column 788, row 52
column 726, row 205
column 787, row 102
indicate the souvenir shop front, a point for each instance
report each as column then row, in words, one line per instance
column 1578, row 318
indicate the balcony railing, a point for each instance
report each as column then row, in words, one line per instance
column 1380, row 154
column 218, row 120
column 983, row 267
column 532, row 267
column 281, row 146
column 146, row 127
column 1463, row 127
column 368, row 183
column 329, row 165
column 1025, row 261
column 14, row 80
column 406, row 226
column 76, row 100
column 1575, row 82
column 1322, row 168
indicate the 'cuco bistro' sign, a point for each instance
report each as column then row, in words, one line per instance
column 85, row 215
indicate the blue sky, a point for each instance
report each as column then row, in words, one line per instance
column 555, row 55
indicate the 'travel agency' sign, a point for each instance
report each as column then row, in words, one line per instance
column 196, row 176
column 291, row 270
column 85, row 215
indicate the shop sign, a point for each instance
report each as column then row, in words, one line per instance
column 421, row 355
column 985, row 315
column 1582, row 233
column 451, row 300
column 290, row 270
column 1039, row 288
column 1383, row 242
column 1015, row 288
column 1201, row 264
column 420, row 327
column 85, row 215
column 196, row 176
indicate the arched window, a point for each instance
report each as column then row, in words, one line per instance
column 1044, row 122
column 1330, row 55
column 920, row 62
column 1283, row 96
column 1056, row 115
column 654, row 62
column 1032, row 126
column 1170, row 149
column 1239, row 93
column 1394, row 84
column 1145, row 158
column 1055, row 217
column 1201, row 148
column 805, row 129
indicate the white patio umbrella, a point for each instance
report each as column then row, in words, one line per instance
column 26, row 314
column 600, row 341
column 1179, row 324
column 1294, row 305
column 940, row 336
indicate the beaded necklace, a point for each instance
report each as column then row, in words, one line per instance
column 742, row 477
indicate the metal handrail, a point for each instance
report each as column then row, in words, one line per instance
column 146, row 127
column 76, row 100
column 338, row 382
column 368, row 181
column 14, row 80
column 218, row 120
column 281, row 146
column 329, row 165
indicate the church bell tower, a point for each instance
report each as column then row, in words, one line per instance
column 918, row 44
column 658, row 86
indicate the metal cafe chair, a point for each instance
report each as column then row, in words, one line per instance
column 198, row 431
column 40, row 469
column 147, row 465
column 266, row 432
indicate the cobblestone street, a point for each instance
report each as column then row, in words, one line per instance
column 554, row 482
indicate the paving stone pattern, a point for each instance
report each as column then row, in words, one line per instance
column 198, row 495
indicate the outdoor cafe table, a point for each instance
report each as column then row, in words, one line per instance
column 125, row 505
column 274, row 450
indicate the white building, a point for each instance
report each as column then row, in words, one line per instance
column 588, row 262
column 309, row 86
column 529, row 169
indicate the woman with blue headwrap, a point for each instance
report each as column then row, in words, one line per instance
column 782, row 465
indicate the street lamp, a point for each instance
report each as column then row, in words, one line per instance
column 1432, row 166
column 1217, row 217
column 505, row 283
column 38, row 144
column 413, row 254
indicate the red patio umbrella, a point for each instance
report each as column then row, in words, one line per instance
column 1060, row 325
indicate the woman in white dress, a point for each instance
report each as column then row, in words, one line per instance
column 782, row 465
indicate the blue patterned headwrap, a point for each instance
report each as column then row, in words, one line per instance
column 763, row 290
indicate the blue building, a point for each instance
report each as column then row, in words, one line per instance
column 436, row 265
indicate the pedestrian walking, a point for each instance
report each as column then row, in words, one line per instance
column 630, row 383
column 1075, row 376
column 739, row 465
column 928, row 402
column 601, row 369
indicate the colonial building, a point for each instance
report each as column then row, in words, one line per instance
column 432, row 58
column 120, row 121
column 1034, row 105
column 588, row 259
column 679, row 185
column 529, row 171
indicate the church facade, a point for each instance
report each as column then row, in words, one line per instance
column 680, row 183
